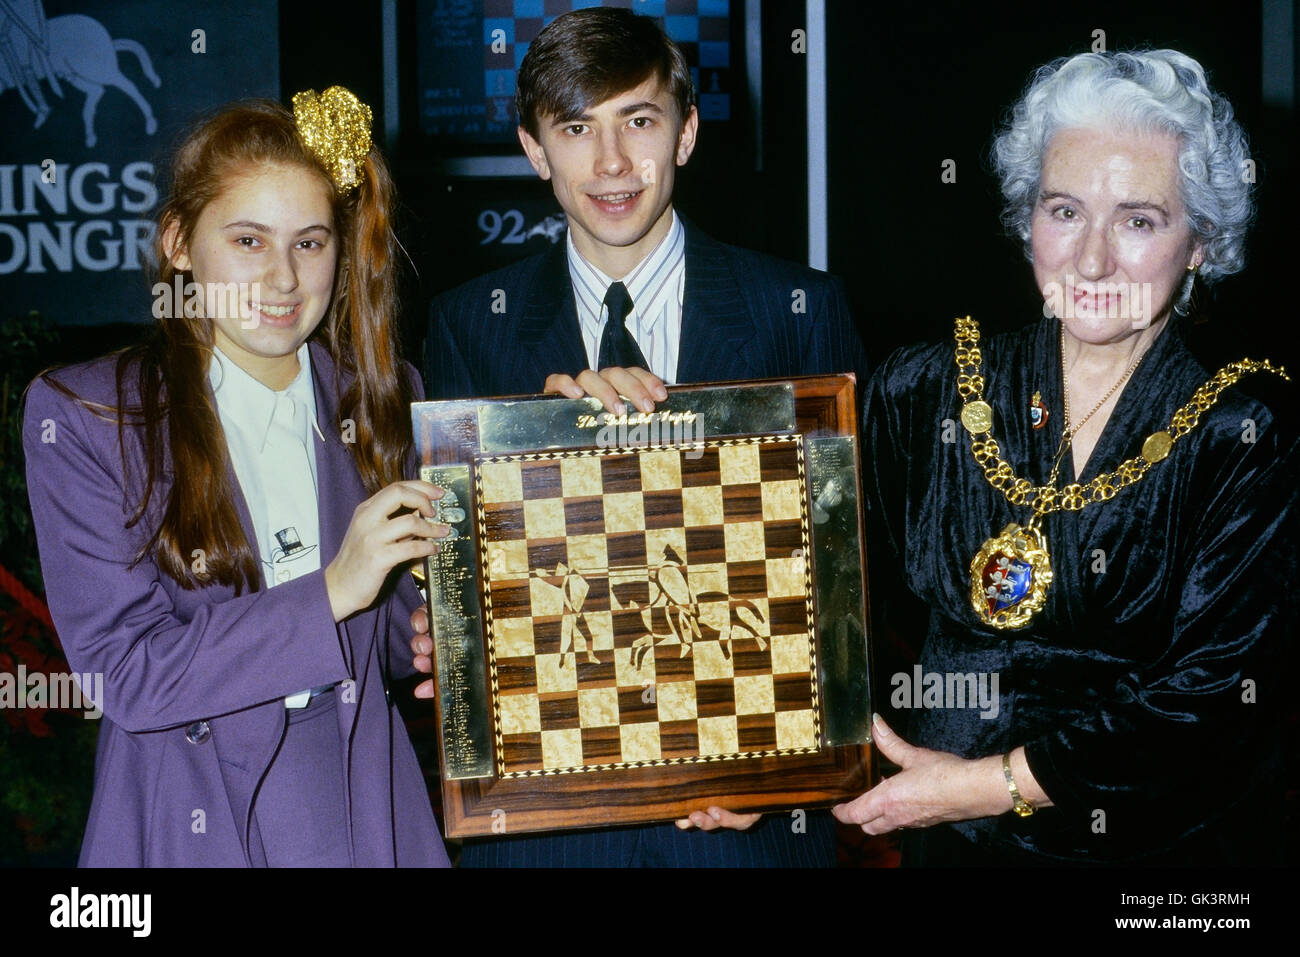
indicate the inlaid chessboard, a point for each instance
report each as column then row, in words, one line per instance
column 648, row 608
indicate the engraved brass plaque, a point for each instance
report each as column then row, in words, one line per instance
column 457, row 629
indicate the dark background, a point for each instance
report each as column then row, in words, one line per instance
column 908, row 89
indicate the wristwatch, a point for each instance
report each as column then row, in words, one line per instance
column 1018, row 804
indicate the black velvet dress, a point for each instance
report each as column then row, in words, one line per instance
column 1147, row 690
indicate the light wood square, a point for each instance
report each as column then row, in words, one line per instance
column 738, row 464
column 702, row 505
column 588, row 554
column 624, row 512
column 544, row 518
column 785, row 577
column 507, row 560
column 627, row 674
column 795, row 729
column 512, row 637
column 640, row 742
column 718, row 735
column 782, row 500
column 744, row 542
column 545, row 598
column 598, row 707
column 520, row 713
column 556, row 673
column 661, row 470
column 707, row 578
column 755, row 694
column 562, row 748
column 710, row 662
column 747, row 622
column 502, row 482
column 601, row 626
column 659, row 539
column 580, row 475
column 676, row 700
column 791, row 655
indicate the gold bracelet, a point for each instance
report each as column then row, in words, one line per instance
column 1018, row 804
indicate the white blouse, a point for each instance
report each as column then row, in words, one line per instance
column 269, row 435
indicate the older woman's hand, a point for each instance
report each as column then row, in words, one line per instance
column 934, row 786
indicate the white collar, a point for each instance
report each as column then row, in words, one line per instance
column 251, row 404
column 645, row 280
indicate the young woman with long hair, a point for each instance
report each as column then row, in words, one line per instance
column 223, row 519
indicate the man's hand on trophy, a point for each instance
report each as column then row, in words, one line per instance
column 422, row 646
column 716, row 817
column 640, row 387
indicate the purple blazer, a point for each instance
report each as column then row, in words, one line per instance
column 194, row 681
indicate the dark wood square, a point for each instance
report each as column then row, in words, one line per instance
column 559, row 710
column 504, row 521
column 715, row 698
column 584, row 516
column 541, row 480
column 742, row 503
column 756, row 732
column 663, row 509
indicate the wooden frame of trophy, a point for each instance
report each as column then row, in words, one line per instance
column 639, row 616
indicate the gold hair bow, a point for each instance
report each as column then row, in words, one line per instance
column 336, row 127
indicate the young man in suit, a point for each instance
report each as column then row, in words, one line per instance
column 633, row 299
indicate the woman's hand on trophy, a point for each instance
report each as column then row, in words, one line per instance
column 932, row 787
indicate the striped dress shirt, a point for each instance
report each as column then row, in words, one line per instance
column 656, row 285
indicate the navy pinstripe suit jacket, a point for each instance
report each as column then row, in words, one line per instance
column 745, row 315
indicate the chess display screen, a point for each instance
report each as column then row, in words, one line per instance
column 469, row 53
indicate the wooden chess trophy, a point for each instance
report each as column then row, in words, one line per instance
column 637, row 616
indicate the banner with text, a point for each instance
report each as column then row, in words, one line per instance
column 92, row 97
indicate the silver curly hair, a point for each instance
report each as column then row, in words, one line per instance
column 1147, row 91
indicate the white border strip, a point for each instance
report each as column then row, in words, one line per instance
column 754, row 74
column 1277, row 49
column 392, row 113
column 817, row 195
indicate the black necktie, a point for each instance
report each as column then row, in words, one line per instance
column 617, row 347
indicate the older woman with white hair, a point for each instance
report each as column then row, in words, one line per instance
column 1096, row 520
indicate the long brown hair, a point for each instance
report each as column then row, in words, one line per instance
column 170, row 368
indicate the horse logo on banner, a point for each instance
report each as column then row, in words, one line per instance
column 73, row 48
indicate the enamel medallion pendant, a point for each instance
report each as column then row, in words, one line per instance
column 1037, row 412
column 1009, row 577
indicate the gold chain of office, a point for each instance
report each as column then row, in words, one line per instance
column 977, row 417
